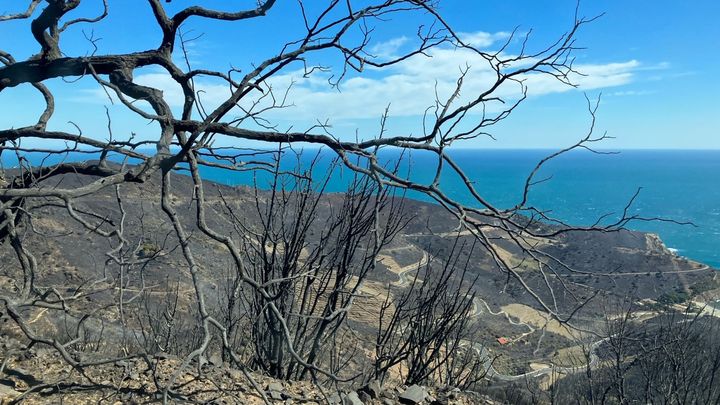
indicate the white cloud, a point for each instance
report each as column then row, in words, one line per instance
column 211, row 94
column 389, row 48
column 409, row 87
column 628, row 93
column 482, row 39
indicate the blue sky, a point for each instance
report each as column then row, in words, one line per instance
column 656, row 63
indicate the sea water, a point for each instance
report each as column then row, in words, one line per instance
column 580, row 187
column 672, row 187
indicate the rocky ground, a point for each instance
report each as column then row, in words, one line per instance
column 212, row 382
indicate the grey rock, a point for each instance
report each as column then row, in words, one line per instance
column 372, row 389
column 391, row 394
column 235, row 374
column 334, row 399
column 414, row 394
column 216, row 360
column 275, row 386
column 364, row 396
column 275, row 391
column 387, row 401
column 7, row 393
column 352, row 398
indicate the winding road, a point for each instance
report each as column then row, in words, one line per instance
column 402, row 273
column 490, row 370
column 404, row 281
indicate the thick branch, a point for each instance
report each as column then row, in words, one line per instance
column 33, row 71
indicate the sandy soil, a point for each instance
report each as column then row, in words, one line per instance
column 538, row 319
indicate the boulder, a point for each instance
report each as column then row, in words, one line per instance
column 351, row 398
column 216, row 360
column 373, row 389
column 275, row 391
column 414, row 394
column 275, row 386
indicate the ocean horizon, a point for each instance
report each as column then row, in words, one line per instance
column 675, row 185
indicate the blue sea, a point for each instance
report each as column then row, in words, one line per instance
column 683, row 186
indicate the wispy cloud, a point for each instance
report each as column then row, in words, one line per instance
column 389, row 48
column 482, row 39
column 630, row 93
column 409, row 87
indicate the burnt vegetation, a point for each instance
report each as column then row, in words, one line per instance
column 131, row 277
